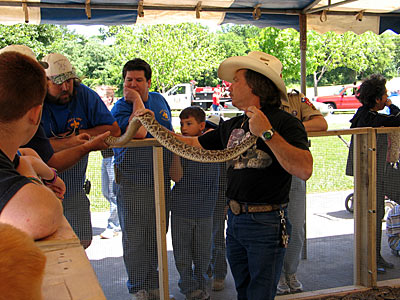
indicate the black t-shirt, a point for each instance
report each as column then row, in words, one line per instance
column 10, row 180
column 256, row 176
column 41, row 144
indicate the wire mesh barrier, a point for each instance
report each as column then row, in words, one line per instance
column 340, row 220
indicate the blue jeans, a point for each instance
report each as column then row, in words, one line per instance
column 76, row 204
column 108, row 190
column 191, row 239
column 297, row 217
column 137, row 215
column 255, row 253
column 218, row 263
column 215, row 107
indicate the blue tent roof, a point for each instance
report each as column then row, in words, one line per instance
column 340, row 16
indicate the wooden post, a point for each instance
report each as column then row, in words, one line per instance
column 303, row 88
column 159, row 199
column 303, row 52
column 365, row 208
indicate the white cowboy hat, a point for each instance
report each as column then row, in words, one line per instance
column 257, row 61
column 25, row 50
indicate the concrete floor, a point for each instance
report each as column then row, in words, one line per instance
column 329, row 262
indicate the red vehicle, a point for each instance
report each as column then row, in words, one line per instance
column 345, row 99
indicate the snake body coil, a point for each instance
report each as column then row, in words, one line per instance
column 169, row 141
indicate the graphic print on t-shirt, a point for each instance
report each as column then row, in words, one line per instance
column 252, row 158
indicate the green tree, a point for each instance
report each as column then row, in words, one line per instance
column 90, row 57
column 359, row 54
column 396, row 55
column 283, row 44
column 176, row 53
column 43, row 39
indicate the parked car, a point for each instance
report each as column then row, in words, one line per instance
column 230, row 111
column 322, row 107
column 344, row 99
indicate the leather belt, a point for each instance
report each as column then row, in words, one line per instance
column 238, row 208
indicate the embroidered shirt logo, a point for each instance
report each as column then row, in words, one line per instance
column 164, row 115
column 308, row 102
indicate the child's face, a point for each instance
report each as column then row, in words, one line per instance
column 191, row 127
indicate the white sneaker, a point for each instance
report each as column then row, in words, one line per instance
column 283, row 287
column 294, row 284
column 108, row 234
column 141, row 295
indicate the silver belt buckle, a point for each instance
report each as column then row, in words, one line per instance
column 235, row 207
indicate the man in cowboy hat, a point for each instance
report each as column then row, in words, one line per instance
column 259, row 180
column 300, row 107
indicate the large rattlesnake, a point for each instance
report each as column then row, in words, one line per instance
column 169, row 141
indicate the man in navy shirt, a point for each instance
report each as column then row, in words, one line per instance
column 71, row 108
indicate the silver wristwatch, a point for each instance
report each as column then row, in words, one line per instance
column 267, row 134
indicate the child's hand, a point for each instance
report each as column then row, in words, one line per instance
column 58, row 187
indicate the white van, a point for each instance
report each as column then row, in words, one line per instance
column 179, row 96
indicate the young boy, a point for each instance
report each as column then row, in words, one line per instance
column 218, row 266
column 193, row 200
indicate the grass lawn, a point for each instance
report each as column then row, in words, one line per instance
column 97, row 201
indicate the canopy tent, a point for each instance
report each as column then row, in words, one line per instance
column 322, row 15
column 319, row 15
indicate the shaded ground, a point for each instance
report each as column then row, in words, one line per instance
column 383, row 293
column 329, row 263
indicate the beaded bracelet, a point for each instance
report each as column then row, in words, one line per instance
column 35, row 180
column 51, row 181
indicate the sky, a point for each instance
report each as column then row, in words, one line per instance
column 94, row 29
column 86, row 30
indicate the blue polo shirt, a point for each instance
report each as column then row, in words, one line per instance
column 122, row 111
column 86, row 110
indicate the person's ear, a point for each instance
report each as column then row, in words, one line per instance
column 202, row 125
column 35, row 114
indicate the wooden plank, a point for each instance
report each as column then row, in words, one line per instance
column 68, row 272
column 69, row 275
column 365, row 209
column 338, row 132
column 340, row 291
column 372, row 211
column 161, row 225
column 64, row 237
column 337, row 292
